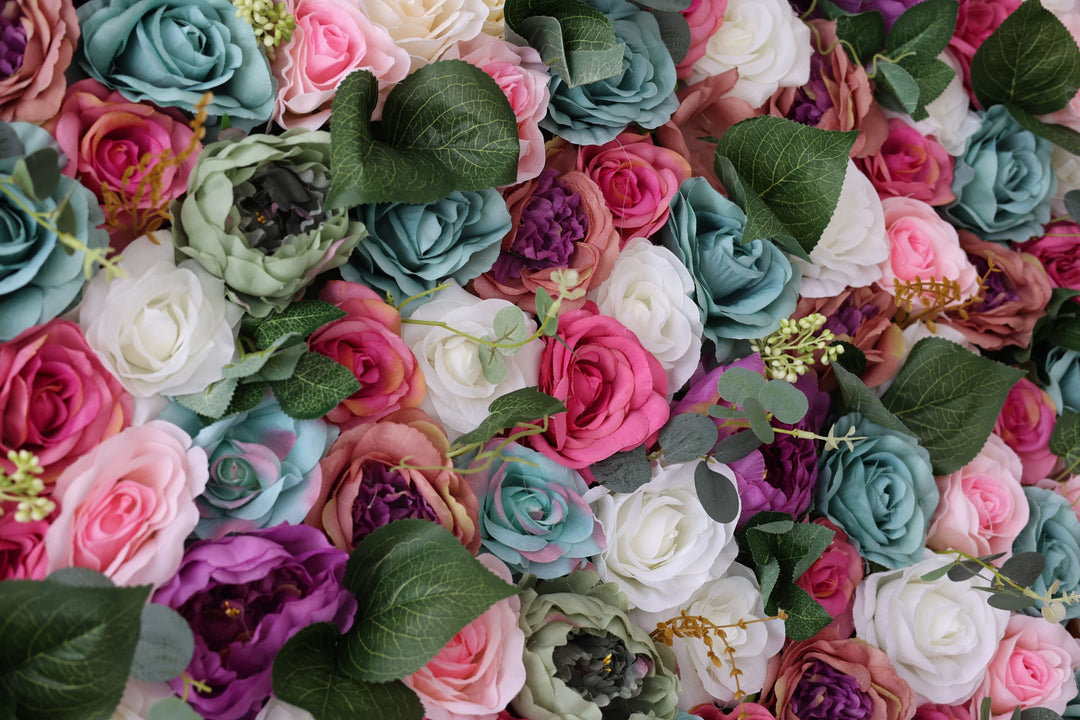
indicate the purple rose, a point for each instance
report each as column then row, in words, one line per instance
column 244, row 596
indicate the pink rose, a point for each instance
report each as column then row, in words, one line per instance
column 22, row 547
column 482, row 668
column 523, row 77
column 704, row 18
column 1027, row 418
column 976, row 21
column 742, row 711
column 1034, row 666
column 982, row 507
column 1059, row 251
column 1069, row 488
column 832, row 580
column 332, row 39
column 58, row 399
column 638, row 180
column 910, row 164
column 1070, row 114
column 127, row 506
column 368, row 342
column 614, row 390
column 932, row 711
column 39, row 40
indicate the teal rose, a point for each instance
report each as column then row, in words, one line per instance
column 881, row 492
column 1063, row 378
column 171, row 52
column 39, row 278
column 254, row 216
column 1004, row 180
column 1053, row 530
column 742, row 289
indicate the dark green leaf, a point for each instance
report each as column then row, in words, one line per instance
column 172, row 708
column 932, row 76
column 623, row 472
column 416, row 586
column 674, row 6
column 316, row 387
column 166, row 644
column 766, row 224
column 1010, row 601
column 852, row 359
column 1072, row 204
column 250, row 365
column 775, row 527
column 687, row 436
column 280, row 364
column 759, row 424
column 1023, row 568
column 674, row 32
column 858, row 398
column 964, row 570
column 864, row 33
column 302, row 317
column 924, row 28
column 38, row 174
column 718, row 495
column 80, row 577
column 1039, row 713
column 576, row 40
column 10, row 144
column 520, row 406
column 1062, row 136
column 211, row 402
column 984, row 708
column 736, row 447
column 543, row 306
column 806, row 617
column 807, row 542
column 1065, row 439
column 246, row 397
column 768, row 575
column 66, row 222
column 899, row 82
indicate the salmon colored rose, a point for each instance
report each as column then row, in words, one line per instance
column 910, row 164
column 39, row 38
column 1027, row 418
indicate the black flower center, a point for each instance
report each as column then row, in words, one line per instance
column 601, row 669
column 278, row 203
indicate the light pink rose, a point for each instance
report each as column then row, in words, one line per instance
column 832, row 580
column 1027, row 418
column 127, row 506
column 22, row 547
column 1034, row 666
column 982, row 507
column 482, row 668
column 704, row 18
column 332, row 39
column 910, row 164
column 49, row 30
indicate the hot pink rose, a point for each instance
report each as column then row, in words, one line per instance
column 832, row 580
column 704, row 18
column 742, row 711
column 39, row 39
column 368, row 342
column 931, row 711
column 1027, row 418
column 332, row 39
column 58, row 400
column 613, row 388
column 22, row 547
column 976, row 21
column 482, row 668
column 910, row 164
column 127, row 506
column 982, row 507
column 1034, row 666
column 1059, row 251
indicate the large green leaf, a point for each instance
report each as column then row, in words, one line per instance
column 924, row 29
column 300, row 318
column 862, row 34
column 1061, row 135
column 416, row 586
column 166, row 644
column 575, row 39
column 316, row 386
column 858, row 398
column 1065, row 440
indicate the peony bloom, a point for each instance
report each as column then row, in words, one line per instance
column 1027, row 418
column 910, row 164
column 39, row 38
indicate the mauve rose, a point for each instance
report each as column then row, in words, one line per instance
column 1027, row 418
column 910, row 164
column 22, row 547
column 704, row 18
column 39, row 38
column 1059, row 252
column 742, row 711
column 976, row 21
column 832, row 580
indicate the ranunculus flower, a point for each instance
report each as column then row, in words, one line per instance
column 39, row 38
column 162, row 328
column 395, row 468
column 1053, row 530
column 427, row 28
column 1027, row 418
column 881, row 492
column 1058, row 249
column 613, row 388
column 703, row 18
column 832, row 580
column 976, row 21
column 59, row 400
column 127, row 505
column 481, row 668
column 910, row 164
column 244, row 597
column 254, row 216
column 584, row 656
column 332, row 39
column 1062, row 368
column 939, row 634
column 22, row 547
column 950, row 118
column 368, row 342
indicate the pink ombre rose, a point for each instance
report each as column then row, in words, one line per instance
column 332, row 39
column 1059, row 252
column 982, row 507
column 482, row 668
column 910, row 164
column 39, row 41
column 832, row 580
column 127, row 506
column 704, row 18
column 22, row 547
column 1027, row 418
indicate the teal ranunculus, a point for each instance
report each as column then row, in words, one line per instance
column 1053, row 530
column 171, row 52
column 743, row 289
column 1004, row 180
column 1063, row 373
column 643, row 93
column 412, row 248
column 38, row 278
column 882, row 492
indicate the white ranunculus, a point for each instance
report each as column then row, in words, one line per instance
column 854, row 242
column 1067, row 168
column 162, row 329
column 661, row 545
column 951, row 119
column 426, row 28
column 280, row 710
column 768, row 44
column 939, row 635
column 650, row 292
column 458, row 395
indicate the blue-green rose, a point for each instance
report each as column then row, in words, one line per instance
column 642, row 93
column 1053, row 530
column 412, row 248
column 1004, row 181
column 38, row 278
column 743, row 289
column 881, row 492
column 1063, row 375
column 171, row 52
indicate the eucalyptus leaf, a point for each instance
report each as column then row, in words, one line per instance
column 759, row 424
column 1072, row 204
column 717, row 494
column 965, row 570
column 786, row 402
column 575, row 39
column 687, row 436
column 674, row 32
column 300, row 318
column 935, row 574
column 38, row 174
column 172, row 708
column 492, row 363
column 1023, row 568
column 315, row 388
column 65, row 221
column 509, row 327
column 675, row 6
column 738, row 383
column 1010, row 601
column 1039, row 713
column 166, row 644
column 623, row 472
column 736, row 447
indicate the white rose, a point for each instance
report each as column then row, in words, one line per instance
column 768, row 44
column 458, row 395
column 939, row 635
column 650, row 292
column 426, row 28
column 280, row 710
column 951, row 119
column 1067, row 168
column 854, row 242
column 138, row 698
column 162, row 329
column 724, row 602
column 661, row 545
column 1061, row 8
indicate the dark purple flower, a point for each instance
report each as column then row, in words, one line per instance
column 12, row 39
column 812, row 99
column 997, row 286
column 825, row 693
column 383, row 497
column 550, row 224
column 244, row 596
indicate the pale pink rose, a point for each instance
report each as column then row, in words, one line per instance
column 832, row 580
column 1069, row 488
column 482, row 668
column 40, row 38
column 127, row 506
column 523, row 78
column 22, row 547
column 982, row 507
column 1034, row 666
column 910, row 164
column 704, row 18
column 332, row 39
column 1027, row 418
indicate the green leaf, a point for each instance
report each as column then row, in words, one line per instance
column 924, row 28
column 964, row 570
column 1065, row 439
column 1009, row 600
column 935, row 574
column 785, row 401
column 172, row 708
column 984, row 708
column 10, row 144
column 38, row 174
column 1030, row 61
column 80, row 577
column 858, row 398
column 416, row 587
column 796, row 172
column 768, row 575
column 759, row 424
column 166, row 644
column 280, row 364
column 1023, row 568
column 774, row 527
column 316, row 387
column 430, row 142
column 806, row 617
column 899, row 82
column 950, row 399
column 211, row 402
column 674, row 33
column 306, row 674
column 864, row 34
column 1072, row 204
column 738, row 383
column 736, row 447
column 66, row 222
column 302, row 318
column 1039, row 713
column 492, row 363
column 65, row 651
column 576, row 40
column 509, row 327
column 718, row 495
column 520, row 406
column 766, row 225
column 807, row 541
column 246, row 397
column 675, row 6
column 852, row 359
column 623, row 472
column 932, row 76
column 543, row 306
column 1062, row 136
column 687, row 436
column 251, row 364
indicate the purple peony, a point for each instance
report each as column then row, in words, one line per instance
column 244, row 596
column 825, row 693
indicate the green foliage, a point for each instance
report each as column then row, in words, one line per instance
column 863, row 34
column 924, row 29
column 575, row 39
column 166, row 644
column 514, row 408
column 736, row 447
column 315, row 388
column 1072, row 204
column 1065, row 440
column 623, row 472
column 674, row 33
column 211, row 402
column 757, row 396
column 38, row 174
column 687, row 437
column 1061, row 135
column 299, row 319
column 856, row 397
column 716, row 493
column 172, row 708
column 898, row 81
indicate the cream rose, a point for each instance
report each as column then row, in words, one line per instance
column 426, row 28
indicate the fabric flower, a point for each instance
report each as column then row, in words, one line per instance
column 950, row 119
column 22, row 547
column 1053, row 531
column 910, row 164
column 427, row 28
column 831, row 581
column 889, row 9
column 39, row 38
column 1063, row 378
column 1058, row 249
column 976, row 21
column 1025, row 423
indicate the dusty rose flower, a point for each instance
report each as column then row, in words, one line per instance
column 1027, row 418
column 742, row 711
column 1059, row 252
column 22, row 547
column 39, row 38
column 832, row 580
column 933, row 711
column 910, row 164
